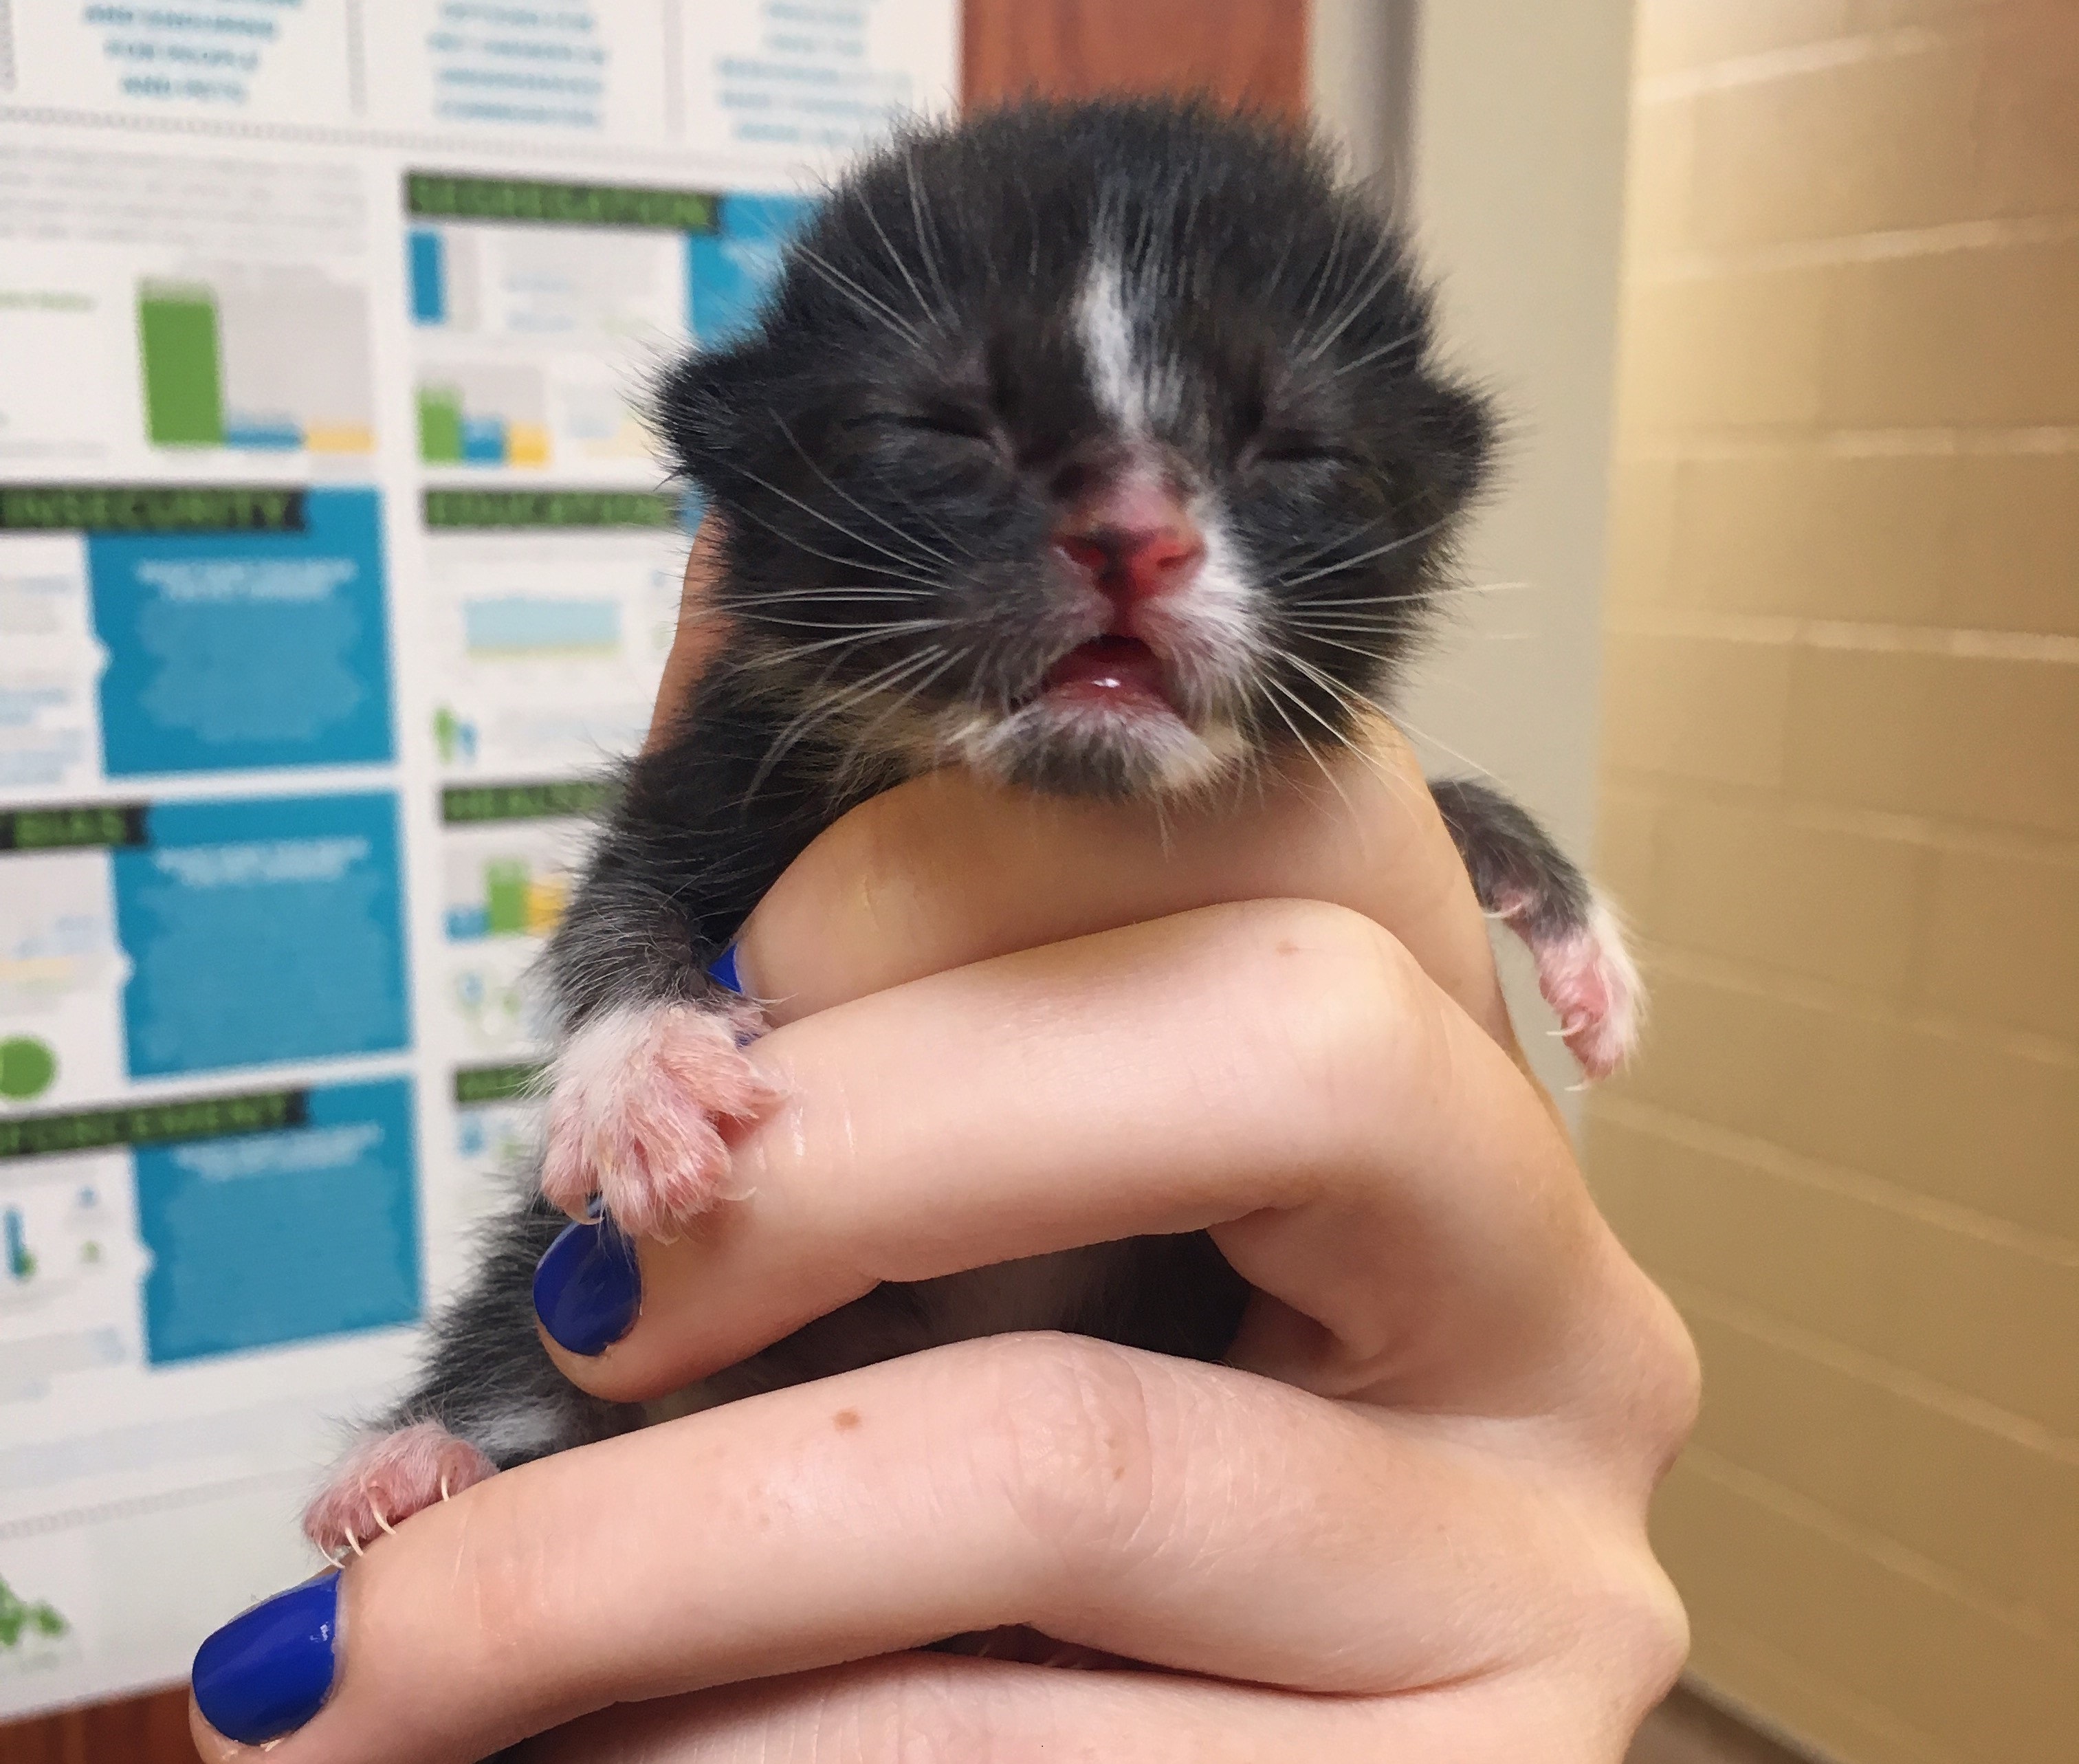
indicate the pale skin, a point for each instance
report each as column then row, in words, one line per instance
column 1406, row 1520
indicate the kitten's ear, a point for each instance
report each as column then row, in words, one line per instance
column 1459, row 437
column 698, row 408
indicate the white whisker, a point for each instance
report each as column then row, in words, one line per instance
column 908, row 538
column 801, row 544
column 901, row 268
column 839, row 526
column 1285, row 692
column 1361, row 557
column 835, row 706
column 864, row 633
column 1442, row 747
column 1405, row 339
column 869, row 302
column 924, row 236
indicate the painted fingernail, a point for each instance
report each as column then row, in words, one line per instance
column 722, row 971
column 268, row 1671
column 588, row 1288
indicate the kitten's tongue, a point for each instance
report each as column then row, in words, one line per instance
column 1119, row 670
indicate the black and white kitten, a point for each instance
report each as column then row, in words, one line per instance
column 1101, row 449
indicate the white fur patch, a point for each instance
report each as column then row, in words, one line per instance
column 1591, row 980
column 386, row 1479
column 1133, row 385
column 637, row 1092
column 1183, row 757
column 1209, row 630
column 1119, row 381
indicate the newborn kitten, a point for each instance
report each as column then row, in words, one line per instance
column 1098, row 448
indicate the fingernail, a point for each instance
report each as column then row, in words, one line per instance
column 267, row 1672
column 722, row 971
column 588, row 1288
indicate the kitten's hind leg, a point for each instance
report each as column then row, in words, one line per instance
column 1584, row 971
column 386, row 1479
column 488, row 1397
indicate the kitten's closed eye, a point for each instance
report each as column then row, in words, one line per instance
column 964, row 422
column 1292, row 447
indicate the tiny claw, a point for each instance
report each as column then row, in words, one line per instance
column 444, row 1484
column 381, row 1520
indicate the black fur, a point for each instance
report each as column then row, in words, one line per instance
column 1513, row 860
column 895, row 443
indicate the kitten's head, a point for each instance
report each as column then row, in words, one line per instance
column 1098, row 446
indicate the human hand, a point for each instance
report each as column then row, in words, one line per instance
column 1406, row 1520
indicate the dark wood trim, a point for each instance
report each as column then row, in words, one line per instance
column 1247, row 52
column 148, row 1729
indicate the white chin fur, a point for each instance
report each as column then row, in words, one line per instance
column 1161, row 747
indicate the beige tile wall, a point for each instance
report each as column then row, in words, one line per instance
column 1841, row 800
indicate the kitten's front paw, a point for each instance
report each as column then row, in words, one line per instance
column 638, row 1094
column 385, row 1481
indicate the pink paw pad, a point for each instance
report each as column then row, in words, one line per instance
column 385, row 1481
column 1588, row 978
column 636, row 1113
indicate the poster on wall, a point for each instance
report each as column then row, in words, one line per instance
column 336, row 563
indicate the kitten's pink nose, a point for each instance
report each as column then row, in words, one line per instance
column 1136, row 540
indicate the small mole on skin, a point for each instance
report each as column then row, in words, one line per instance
column 846, row 1420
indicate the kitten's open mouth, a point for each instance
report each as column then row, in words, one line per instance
column 1110, row 672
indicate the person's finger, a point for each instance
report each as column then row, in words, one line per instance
column 1279, row 1072
column 1192, row 1517
column 702, row 632
column 907, row 1707
column 948, row 870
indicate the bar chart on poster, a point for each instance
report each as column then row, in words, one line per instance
column 338, row 566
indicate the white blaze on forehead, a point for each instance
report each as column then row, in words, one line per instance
column 1119, row 374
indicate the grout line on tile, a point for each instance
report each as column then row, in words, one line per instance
column 1865, row 1186
column 1960, row 642
column 1750, row 441
column 1786, row 62
column 1935, row 832
column 1855, row 1362
column 1939, row 240
column 1648, row 789
column 1902, row 1745
column 1887, row 1552
column 1801, row 989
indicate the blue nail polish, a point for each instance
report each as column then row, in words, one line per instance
column 588, row 1288
column 266, row 1673
column 722, row 971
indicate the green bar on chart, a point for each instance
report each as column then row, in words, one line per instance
column 440, row 425
column 505, row 897
column 177, row 333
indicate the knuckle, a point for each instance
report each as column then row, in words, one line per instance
column 1070, row 1436
column 1620, row 1619
column 1674, row 1389
column 1349, row 998
column 1647, row 1631
column 1656, row 1398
